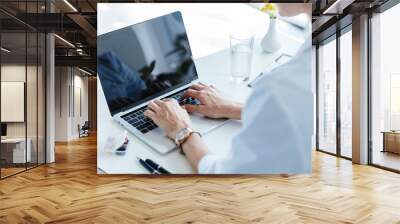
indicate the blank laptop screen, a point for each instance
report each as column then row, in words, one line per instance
column 140, row 62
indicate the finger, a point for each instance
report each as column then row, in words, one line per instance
column 195, row 108
column 174, row 101
column 162, row 104
column 198, row 86
column 201, row 109
column 159, row 103
column 193, row 93
column 168, row 99
column 149, row 109
column 150, row 114
column 153, row 106
column 190, row 108
column 202, row 84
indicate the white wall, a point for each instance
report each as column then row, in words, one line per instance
column 61, row 103
column 71, row 94
column 79, row 117
column 12, row 73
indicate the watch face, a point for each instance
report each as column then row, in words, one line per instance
column 182, row 134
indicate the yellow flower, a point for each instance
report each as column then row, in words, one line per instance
column 269, row 7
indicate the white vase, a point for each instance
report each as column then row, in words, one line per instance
column 270, row 43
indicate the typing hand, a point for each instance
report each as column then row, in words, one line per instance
column 168, row 115
column 212, row 103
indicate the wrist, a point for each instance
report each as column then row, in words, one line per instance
column 194, row 146
column 172, row 134
column 234, row 111
column 193, row 135
column 183, row 135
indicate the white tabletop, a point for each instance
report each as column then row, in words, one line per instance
column 13, row 140
column 208, row 27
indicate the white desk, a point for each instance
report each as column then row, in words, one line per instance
column 19, row 155
column 208, row 30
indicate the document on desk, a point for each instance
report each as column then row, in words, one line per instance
column 282, row 59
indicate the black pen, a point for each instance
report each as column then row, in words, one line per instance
column 157, row 167
column 147, row 166
column 251, row 84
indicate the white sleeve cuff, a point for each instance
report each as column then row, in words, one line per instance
column 208, row 164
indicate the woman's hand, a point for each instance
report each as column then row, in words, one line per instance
column 212, row 103
column 168, row 115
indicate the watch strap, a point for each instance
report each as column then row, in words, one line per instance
column 187, row 137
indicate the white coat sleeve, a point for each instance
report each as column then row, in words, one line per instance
column 272, row 138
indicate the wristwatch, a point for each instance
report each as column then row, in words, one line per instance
column 182, row 135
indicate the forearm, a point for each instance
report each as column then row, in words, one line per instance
column 195, row 149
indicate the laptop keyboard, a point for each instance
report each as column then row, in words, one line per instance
column 145, row 124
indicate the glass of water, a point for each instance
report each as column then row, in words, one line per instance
column 241, row 49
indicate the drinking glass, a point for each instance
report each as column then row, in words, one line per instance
column 241, row 51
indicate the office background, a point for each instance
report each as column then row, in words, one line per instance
column 44, row 95
column 335, row 54
column 22, row 63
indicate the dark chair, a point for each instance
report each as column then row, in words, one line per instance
column 84, row 130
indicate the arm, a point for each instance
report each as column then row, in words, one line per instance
column 172, row 118
column 195, row 149
column 234, row 111
column 168, row 115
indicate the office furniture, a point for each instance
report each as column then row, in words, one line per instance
column 391, row 141
column 3, row 130
column 13, row 150
column 12, row 101
column 84, row 130
column 210, row 46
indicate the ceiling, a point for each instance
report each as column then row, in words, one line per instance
column 333, row 15
column 76, row 21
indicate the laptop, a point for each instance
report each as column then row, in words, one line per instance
column 143, row 62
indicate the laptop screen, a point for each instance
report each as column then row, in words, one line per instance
column 140, row 62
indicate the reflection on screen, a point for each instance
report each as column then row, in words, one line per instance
column 143, row 61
